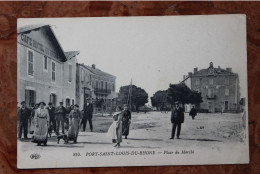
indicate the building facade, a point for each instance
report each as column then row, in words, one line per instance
column 219, row 88
column 97, row 85
column 44, row 72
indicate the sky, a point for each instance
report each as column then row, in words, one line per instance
column 154, row 51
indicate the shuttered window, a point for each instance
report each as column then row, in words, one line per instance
column 30, row 62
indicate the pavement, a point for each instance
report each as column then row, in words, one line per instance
column 152, row 130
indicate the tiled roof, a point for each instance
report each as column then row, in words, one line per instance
column 97, row 71
column 30, row 27
column 71, row 54
column 216, row 71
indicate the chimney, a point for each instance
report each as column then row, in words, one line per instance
column 229, row 69
column 195, row 70
column 184, row 77
column 218, row 67
column 190, row 74
column 93, row 66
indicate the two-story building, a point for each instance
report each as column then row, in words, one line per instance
column 219, row 88
column 95, row 84
column 44, row 72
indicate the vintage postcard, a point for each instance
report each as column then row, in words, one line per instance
column 132, row 91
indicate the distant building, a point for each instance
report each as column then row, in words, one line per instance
column 219, row 88
column 97, row 85
column 45, row 72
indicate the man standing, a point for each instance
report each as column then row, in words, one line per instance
column 87, row 115
column 126, row 120
column 23, row 117
column 193, row 112
column 60, row 114
column 177, row 118
column 51, row 110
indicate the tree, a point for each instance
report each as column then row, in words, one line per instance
column 138, row 96
column 180, row 92
column 159, row 98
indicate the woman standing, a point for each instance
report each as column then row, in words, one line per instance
column 74, row 121
column 41, row 125
column 115, row 130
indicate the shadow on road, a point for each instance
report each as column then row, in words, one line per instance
column 200, row 139
column 144, row 139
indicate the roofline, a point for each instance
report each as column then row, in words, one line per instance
column 86, row 67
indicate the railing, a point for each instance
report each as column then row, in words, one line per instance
column 102, row 91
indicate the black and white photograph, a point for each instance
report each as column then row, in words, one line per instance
column 132, row 91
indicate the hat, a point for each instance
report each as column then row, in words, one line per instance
column 76, row 105
column 23, row 102
column 50, row 103
column 42, row 103
column 36, row 104
column 125, row 105
column 61, row 102
column 177, row 102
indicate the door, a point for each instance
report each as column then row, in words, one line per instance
column 211, row 106
column 226, row 105
column 30, row 97
column 53, row 99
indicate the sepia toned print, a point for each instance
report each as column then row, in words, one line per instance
column 132, row 91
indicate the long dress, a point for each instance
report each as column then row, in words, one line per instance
column 41, row 126
column 126, row 117
column 74, row 121
column 115, row 130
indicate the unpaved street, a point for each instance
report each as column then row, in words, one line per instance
column 152, row 131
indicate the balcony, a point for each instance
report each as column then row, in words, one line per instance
column 211, row 97
column 102, row 91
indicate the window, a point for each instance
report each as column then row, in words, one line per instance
column 226, row 81
column 106, row 85
column 90, row 79
column 113, row 87
column 211, row 81
column 96, row 84
column 101, row 84
column 72, row 101
column 30, row 62
column 197, row 82
column 82, row 75
column 70, row 72
column 45, row 63
column 30, row 97
column 53, row 71
column 226, row 92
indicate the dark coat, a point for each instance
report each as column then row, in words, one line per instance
column 88, row 111
column 23, row 114
column 51, row 112
column 177, row 116
column 193, row 112
column 126, row 116
column 61, row 110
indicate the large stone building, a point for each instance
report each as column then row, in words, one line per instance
column 45, row 72
column 97, row 85
column 219, row 88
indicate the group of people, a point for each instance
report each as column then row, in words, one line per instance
column 41, row 120
column 120, row 125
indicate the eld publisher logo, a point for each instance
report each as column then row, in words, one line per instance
column 35, row 156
